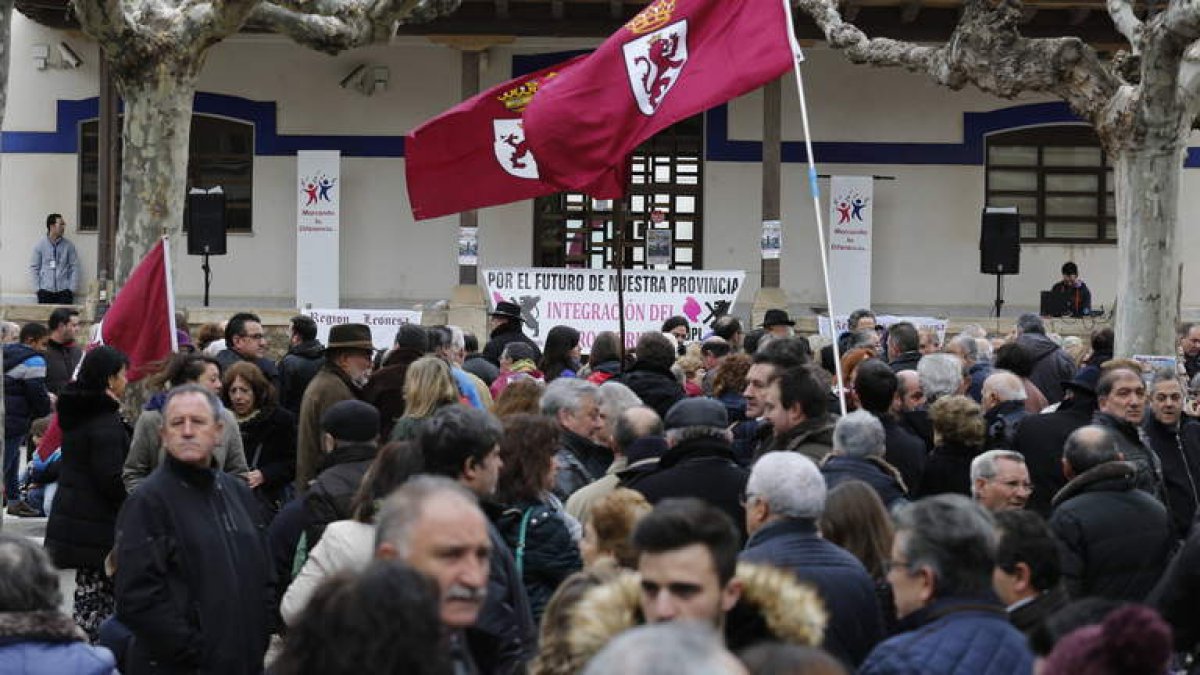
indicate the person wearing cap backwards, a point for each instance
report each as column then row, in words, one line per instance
column 778, row 324
column 699, row 460
column 343, row 376
column 505, row 323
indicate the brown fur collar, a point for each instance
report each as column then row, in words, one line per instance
column 43, row 626
column 793, row 612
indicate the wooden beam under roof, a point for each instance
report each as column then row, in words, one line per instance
column 909, row 11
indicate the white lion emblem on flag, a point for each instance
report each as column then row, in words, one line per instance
column 512, row 151
column 654, row 63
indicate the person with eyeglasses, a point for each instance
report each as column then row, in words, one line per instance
column 941, row 567
column 245, row 340
column 1000, row 481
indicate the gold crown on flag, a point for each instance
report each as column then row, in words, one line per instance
column 518, row 98
column 655, row 16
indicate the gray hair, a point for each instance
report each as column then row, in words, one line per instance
column 1030, row 323
column 9, row 331
column 864, row 338
column 984, row 464
column 1161, row 375
column 1006, row 385
column 859, row 434
column 985, row 350
column 664, row 649
column 214, row 403
column 790, row 483
column 682, row 434
column 955, row 538
column 968, row 345
column 404, row 507
column 28, row 581
column 615, row 398
column 940, row 375
column 973, row 330
column 567, row 393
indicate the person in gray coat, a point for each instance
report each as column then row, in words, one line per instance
column 1051, row 365
column 54, row 266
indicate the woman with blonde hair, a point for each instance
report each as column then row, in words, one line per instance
column 611, row 520
column 958, row 436
column 428, row 387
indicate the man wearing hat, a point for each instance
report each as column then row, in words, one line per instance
column 505, row 325
column 778, row 324
column 350, row 439
column 699, row 460
column 1041, row 438
column 345, row 372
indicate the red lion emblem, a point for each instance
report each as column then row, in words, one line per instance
column 520, row 150
column 659, row 62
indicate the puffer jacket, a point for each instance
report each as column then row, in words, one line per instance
column 773, row 606
column 1114, row 540
column 49, row 643
column 953, row 636
column 543, row 549
column 25, row 394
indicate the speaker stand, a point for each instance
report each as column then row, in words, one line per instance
column 998, row 303
column 207, row 275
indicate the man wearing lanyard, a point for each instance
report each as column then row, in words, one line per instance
column 55, row 266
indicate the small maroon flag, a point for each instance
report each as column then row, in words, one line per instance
column 141, row 320
column 675, row 59
column 476, row 155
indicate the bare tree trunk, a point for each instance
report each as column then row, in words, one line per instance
column 1148, row 270
column 6, row 7
column 156, row 132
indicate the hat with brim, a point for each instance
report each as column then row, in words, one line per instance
column 777, row 317
column 350, row 337
column 506, row 309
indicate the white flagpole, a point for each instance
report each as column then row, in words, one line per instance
column 797, row 57
column 166, row 239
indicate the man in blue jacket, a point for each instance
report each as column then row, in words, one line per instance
column 943, row 556
column 784, row 498
column 25, row 399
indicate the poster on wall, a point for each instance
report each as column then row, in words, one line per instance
column 383, row 322
column 842, row 322
column 658, row 247
column 851, row 221
column 772, row 239
column 318, row 224
column 587, row 299
column 468, row 246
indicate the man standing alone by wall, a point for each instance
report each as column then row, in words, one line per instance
column 55, row 265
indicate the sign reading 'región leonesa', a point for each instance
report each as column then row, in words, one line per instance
column 587, row 299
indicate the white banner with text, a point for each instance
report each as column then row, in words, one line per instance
column 318, row 225
column 383, row 322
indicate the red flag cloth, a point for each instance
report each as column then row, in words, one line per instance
column 675, row 59
column 141, row 320
column 475, row 155
column 51, row 440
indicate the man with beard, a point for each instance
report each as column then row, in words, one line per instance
column 345, row 372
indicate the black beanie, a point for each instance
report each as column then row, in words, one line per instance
column 352, row 421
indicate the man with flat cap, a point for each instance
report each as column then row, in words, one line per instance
column 699, row 460
column 505, row 324
column 350, row 439
column 345, row 372
column 778, row 324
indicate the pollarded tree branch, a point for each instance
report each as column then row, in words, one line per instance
column 334, row 26
column 1126, row 23
column 986, row 51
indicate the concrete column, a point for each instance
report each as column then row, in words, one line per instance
column 770, row 295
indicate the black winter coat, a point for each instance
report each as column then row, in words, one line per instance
column 296, row 369
column 1040, row 438
column 1132, row 443
column 905, row 361
column 504, row 637
column 269, row 441
column 545, row 556
column 60, row 364
column 578, row 462
column 228, row 357
column 1178, row 594
column 657, row 387
column 329, row 497
column 1051, row 365
column 385, row 390
column 948, row 470
column 510, row 331
column 1114, row 539
column 882, row 477
column 703, row 468
column 194, row 580
column 1178, row 449
column 904, row 450
column 855, row 620
column 90, row 492
column 1002, row 423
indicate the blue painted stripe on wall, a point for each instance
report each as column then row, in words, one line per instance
column 718, row 146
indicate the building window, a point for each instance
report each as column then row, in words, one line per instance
column 221, row 153
column 665, row 195
column 1060, row 180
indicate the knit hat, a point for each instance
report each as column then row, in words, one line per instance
column 1131, row 639
column 352, row 420
column 696, row 412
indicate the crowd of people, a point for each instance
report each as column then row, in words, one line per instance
column 969, row 504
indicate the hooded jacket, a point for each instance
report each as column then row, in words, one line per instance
column 1051, row 365
column 90, row 492
column 1114, row 540
column 25, row 395
column 774, row 606
column 329, row 496
column 812, row 438
column 296, row 369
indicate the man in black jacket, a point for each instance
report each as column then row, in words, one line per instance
column 1051, row 365
column 1121, row 406
column 1115, row 539
column 245, row 340
column 196, row 596
column 62, row 352
column 903, row 347
column 1176, row 441
column 650, row 376
column 578, row 461
column 1040, row 438
column 463, row 444
column 505, row 324
column 875, row 389
column 297, row 368
column 1027, row 572
column 351, row 440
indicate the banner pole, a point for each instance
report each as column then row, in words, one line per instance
column 814, row 188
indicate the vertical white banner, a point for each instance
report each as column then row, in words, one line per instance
column 318, row 216
column 851, row 219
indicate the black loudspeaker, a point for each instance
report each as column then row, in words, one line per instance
column 1000, row 243
column 206, row 224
